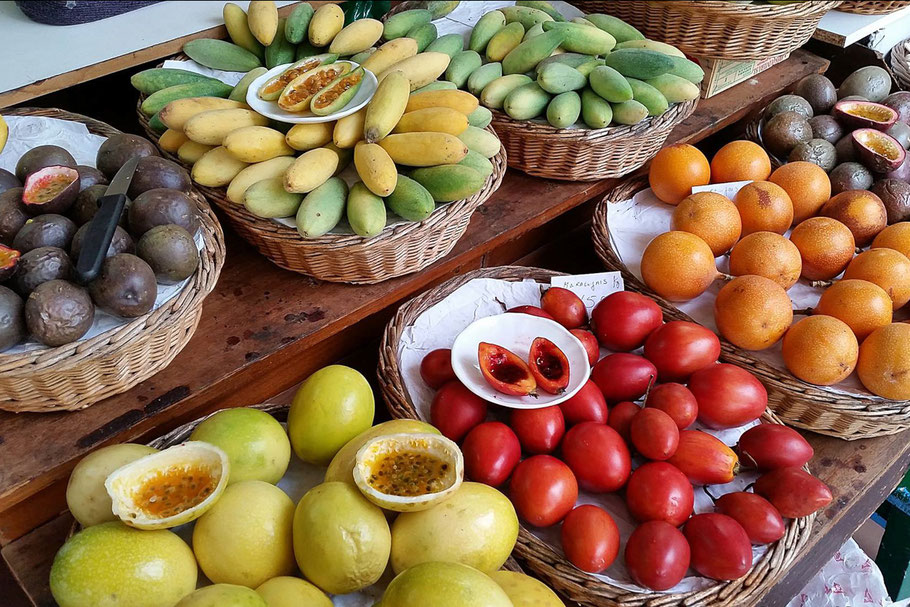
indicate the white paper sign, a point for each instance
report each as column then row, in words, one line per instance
column 729, row 189
column 591, row 288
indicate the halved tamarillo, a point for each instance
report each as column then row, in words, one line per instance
column 505, row 371
column 549, row 366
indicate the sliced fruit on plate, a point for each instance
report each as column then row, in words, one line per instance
column 337, row 93
column 298, row 93
column 271, row 90
column 549, row 366
column 408, row 472
column 505, row 371
column 169, row 488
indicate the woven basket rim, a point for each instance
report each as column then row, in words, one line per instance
column 872, row 7
column 538, row 556
column 723, row 8
column 900, row 63
column 186, row 300
column 884, row 415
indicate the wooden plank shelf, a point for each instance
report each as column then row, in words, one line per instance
column 265, row 329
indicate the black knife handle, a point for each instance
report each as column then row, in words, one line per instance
column 98, row 237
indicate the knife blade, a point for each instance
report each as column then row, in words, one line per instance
column 101, row 229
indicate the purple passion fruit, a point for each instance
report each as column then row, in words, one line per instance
column 43, row 156
column 45, row 231
column 89, row 176
column 119, row 148
column 41, row 265
column 864, row 115
column 900, row 103
column 877, row 150
column 155, row 172
column 50, row 190
column 125, row 287
column 9, row 260
column 58, row 313
column 12, row 215
column 12, row 319
column 8, row 181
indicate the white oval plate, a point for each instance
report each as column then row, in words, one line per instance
column 270, row 109
column 515, row 332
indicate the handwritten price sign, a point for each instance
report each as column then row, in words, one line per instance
column 591, row 288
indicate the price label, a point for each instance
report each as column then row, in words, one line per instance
column 591, row 288
column 728, row 189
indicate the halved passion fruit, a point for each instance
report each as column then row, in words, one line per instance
column 549, row 366
column 864, row 114
column 51, row 190
column 408, row 472
column 337, row 94
column 505, row 371
column 297, row 95
column 271, row 90
column 9, row 261
column 169, row 488
column 877, row 150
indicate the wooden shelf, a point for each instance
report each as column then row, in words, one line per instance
column 265, row 329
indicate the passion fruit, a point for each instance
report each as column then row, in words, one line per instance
column 12, row 215
column 256, row 445
column 408, row 472
column 9, row 261
column 895, row 237
column 342, row 465
column 887, row 268
column 525, row 591
column 819, row 91
column 160, row 207
column 710, row 216
column 844, row 149
column 271, row 90
column 789, row 103
column 764, row 206
column 86, row 497
column 337, row 94
column 12, row 319
column 902, row 172
column 871, row 82
column 901, row 132
column 58, row 312
column 171, row 253
column 169, row 488
column 850, row 176
column 223, row 595
column 895, row 195
column 89, row 176
column 678, row 266
column 864, row 115
column 862, row 305
column 45, row 231
column 884, row 361
column 899, row 102
column 114, row 565
column 298, row 93
column 286, row 591
column 41, row 265
column 8, row 181
column 50, row 190
column 861, row 211
column 120, row 148
column 246, row 537
column 478, row 523
column 444, row 585
column 826, row 127
column 806, row 184
column 752, row 312
column 121, row 242
column 154, row 172
column 878, row 151
column 341, row 540
column 43, row 156
column 86, row 205
column 825, row 245
column 820, row 350
column 767, row 254
column 781, row 133
column 816, row 151
column 125, row 286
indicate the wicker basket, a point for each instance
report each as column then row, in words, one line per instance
column 84, row 372
column 585, row 154
column 718, row 29
column 900, row 63
column 541, row 558
column 872, row 7
column 398, row 250
column 796, row 402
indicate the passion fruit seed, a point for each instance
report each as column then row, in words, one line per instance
column 336, row 91
column 408, row 473
column 169, row 492
column 312, row 85
column 286, row 76
column 49, row 186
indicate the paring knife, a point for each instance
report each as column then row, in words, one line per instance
column 101, row 229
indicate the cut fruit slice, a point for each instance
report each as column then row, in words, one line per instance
column 408, row 472
column 337, row 94
column 50, row 190
column 169, row 488
column 297, row 95
column 864, row 114
column 877, row 150
column 9, row 261
column 549, row 366
column 505, row 371
column 271, row 90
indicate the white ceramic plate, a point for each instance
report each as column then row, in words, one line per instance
column 515, row 332
column 270, row 109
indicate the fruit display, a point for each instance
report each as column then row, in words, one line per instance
column 293, row 532
column 45, row 210
column 750, row 250
column 616, row 467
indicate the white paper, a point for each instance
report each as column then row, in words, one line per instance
column 590, row 288
column 849, row 579
column 438, row 326
column 633, row 223
column 27, row 132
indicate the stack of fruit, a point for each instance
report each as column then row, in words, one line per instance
column 681, row 383
column 43, row 224
column 852, row 325
column 389, row 493
column 596, row 68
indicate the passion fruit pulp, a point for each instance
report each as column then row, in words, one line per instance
column 271, row 90
column 505, row 371
column 864, row 114
column 877, row 150
column 408, row 472
column 297, row 95
column 9, row 260
column 337, row 94
column 549, row 366
column 51, row 190
column 169, row 488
